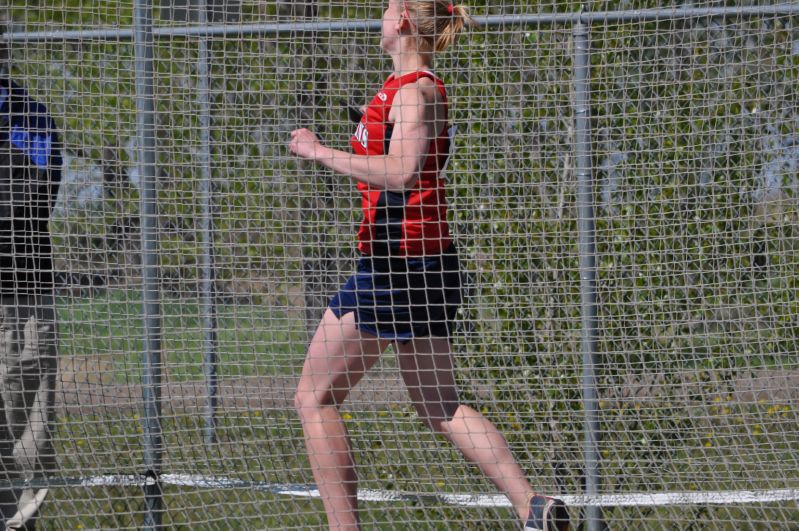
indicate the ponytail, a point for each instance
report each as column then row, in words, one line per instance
column 459, row 19
column 439, row 21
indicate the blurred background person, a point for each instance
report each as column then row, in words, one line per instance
column 30, row 173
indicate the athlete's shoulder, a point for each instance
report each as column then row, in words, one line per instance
column 425, row 82
column 423, row 90
column 428, row 77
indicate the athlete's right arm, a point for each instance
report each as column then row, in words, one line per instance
column 415, row 126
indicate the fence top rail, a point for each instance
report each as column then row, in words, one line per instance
column 279, row 28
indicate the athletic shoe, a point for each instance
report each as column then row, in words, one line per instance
column 547, row 514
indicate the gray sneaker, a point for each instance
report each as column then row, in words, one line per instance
column 547, row 514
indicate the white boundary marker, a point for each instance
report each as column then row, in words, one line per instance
column 724, row 497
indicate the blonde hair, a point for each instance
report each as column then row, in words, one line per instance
column 439, row 21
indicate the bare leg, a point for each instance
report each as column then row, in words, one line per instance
column 426, row 365
column 338, row 357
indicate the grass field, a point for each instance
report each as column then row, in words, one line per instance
column 394, row 453
column 252, row 340
column 718, row 442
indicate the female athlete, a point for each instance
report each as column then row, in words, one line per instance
column 407, row 288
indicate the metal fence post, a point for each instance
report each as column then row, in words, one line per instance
column 587, row 258
column 151, row 307
column 208, row 286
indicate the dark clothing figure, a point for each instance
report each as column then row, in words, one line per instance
column 30, row 173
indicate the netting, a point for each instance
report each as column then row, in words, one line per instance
column 694, row 159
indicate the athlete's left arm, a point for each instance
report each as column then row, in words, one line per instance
column 417, row 112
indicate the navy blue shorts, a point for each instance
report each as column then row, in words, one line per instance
column 403, row 298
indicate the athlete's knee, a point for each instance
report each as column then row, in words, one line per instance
column 307, row 403
column 303, row 402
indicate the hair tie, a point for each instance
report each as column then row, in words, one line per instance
column 450, row 8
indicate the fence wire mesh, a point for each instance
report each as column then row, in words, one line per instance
column 695, row 156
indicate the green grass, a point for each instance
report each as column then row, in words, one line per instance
column 649, row 445
column 395, row 453
column 260, row 446
column 252, row 340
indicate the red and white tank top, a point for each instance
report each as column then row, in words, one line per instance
column 411, row 222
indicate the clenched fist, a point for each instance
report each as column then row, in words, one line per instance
column 304, row 143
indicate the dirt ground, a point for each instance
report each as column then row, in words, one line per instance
column 87, row 387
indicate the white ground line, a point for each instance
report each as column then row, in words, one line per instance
column 724, row 497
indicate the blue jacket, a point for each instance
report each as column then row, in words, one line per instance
column 30, row 174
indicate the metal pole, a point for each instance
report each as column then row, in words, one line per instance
column 208, row 287
column 587, row 257
column 281, row 28
column 151, row 385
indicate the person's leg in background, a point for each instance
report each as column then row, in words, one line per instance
column 28, row 369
